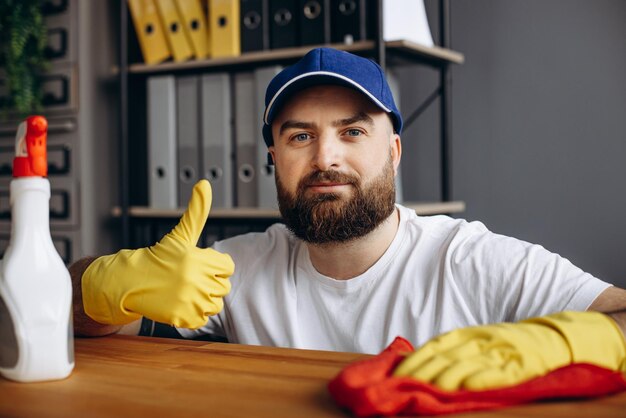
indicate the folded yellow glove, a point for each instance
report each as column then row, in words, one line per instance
column 172, row 282
column 505, row 354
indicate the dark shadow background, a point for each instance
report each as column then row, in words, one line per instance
column 538, row 125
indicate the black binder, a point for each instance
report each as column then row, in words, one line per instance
column 314, row 23
column 348, row 21
column 283, row 23
column 255, row 34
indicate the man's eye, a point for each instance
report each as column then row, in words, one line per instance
column 301, row 137
column 354, row 132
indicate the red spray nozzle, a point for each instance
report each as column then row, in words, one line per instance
column 30, row 148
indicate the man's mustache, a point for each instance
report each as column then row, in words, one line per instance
column 317, row 177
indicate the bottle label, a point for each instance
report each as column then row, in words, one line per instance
column 8, row 341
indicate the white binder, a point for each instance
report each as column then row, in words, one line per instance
column 188, row 135
column 245, row 139
column 266, row 185
column 162, row 142
column 217, row 153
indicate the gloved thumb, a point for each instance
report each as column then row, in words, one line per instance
column 192, row 222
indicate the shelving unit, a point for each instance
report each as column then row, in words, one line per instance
column 409, row 50
column 425, row 208
column 386, row 53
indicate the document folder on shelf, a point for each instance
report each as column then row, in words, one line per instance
column 174, row 32
column 194, row 25
column 314, row 18
column 266, row 185
column 255, row 35
column 217, row 164
column 245, row 139
column 149, row 31
column 188, row 135
column 162, row 142
column 224, row 28
column 348, row 21
column 406, row 19
column 283, row 26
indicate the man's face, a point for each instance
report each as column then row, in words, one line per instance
column 336, row 156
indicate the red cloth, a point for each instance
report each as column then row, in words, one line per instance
column 367, row 387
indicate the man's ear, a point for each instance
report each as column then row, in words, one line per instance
column 396, row 151
column 272, row 153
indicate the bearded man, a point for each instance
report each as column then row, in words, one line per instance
column 349, row 269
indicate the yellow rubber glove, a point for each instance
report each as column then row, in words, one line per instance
column 505, row 354
column 172, row 282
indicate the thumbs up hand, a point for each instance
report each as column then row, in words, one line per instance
column 172, row 282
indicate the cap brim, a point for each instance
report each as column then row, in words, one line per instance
column 311, row 79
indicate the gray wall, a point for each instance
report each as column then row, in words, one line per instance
column 539, row 125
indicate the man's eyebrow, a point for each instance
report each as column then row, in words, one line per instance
column 359, row 117
column 295, row 124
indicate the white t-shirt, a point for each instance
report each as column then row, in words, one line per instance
column 438, row 274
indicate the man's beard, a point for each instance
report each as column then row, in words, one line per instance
column 327, row 217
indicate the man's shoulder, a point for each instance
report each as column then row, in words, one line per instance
column 442, row 226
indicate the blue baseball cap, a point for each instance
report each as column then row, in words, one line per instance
column 323, row 66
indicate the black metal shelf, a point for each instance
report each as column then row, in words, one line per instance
column 409, row 51
column 391, row 52
column 421, row 208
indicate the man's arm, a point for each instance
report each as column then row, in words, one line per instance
column 613, row 303
column 84, row 326
column 504, row 354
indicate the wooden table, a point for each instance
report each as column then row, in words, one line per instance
column 154, row 377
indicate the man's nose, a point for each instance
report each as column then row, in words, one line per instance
column 328, row 153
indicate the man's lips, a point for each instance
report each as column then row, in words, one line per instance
column 326, row 187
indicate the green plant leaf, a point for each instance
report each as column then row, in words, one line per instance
column 22, row 44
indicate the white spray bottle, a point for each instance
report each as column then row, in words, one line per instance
column 36, row 335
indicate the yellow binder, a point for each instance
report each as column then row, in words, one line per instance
column 149, row 31
column 224, row 28
column 173, row 28
column 194, row 24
